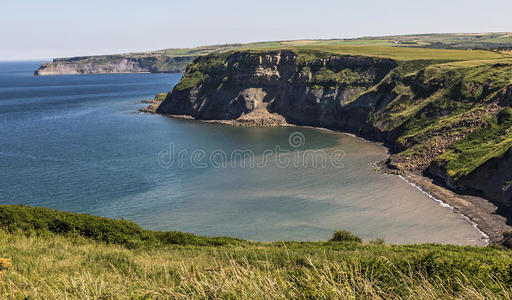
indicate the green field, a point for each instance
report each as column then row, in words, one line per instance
column 473, row 41
column 398, row 53
column 56, row 255
column 176, row 59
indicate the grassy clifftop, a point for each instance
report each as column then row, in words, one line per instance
column 176, row 59
column 77, row 262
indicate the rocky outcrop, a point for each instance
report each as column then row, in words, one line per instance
column 59, row 68
column 114, row 64
column 419, row 113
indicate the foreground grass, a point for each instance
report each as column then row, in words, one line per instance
column 57, row 267
column 50, row 265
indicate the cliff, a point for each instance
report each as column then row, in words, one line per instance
column 115, row 64
column 446, row 114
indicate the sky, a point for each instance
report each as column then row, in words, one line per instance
column 44, row 29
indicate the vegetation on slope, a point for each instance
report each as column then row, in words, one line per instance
column 160, row 97
column 492, row 139
column 199, row 69
column 442, row 104
column 43, row 221
column 51, row 264
column 441, row 92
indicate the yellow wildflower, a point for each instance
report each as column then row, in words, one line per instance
column 5, row 263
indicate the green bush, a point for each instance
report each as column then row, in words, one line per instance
column 344, row 236
column 40, row 220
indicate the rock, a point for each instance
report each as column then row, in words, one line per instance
column 507, row 242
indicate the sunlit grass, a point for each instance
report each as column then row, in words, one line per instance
column 43, row 263
column 59, row 267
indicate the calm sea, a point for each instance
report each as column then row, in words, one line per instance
column 77, row 143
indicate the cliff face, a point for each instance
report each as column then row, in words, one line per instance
column 114, row 64
column 435, row 118
column 271, row 82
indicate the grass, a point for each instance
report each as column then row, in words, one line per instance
column 398, row 53
column 50, row 264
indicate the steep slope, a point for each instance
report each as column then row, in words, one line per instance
column 421, row 104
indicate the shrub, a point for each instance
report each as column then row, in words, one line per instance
column 344, row 236
column 42, row 220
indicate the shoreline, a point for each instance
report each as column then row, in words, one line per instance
column 479, row 212
column 485, row 236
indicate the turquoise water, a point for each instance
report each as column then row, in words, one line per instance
column 77, row 143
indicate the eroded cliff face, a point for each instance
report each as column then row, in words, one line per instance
column 60, row 68
column 418, row 109
column 277, row 84
column 113, row 64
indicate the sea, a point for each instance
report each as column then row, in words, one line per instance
column 78, row 143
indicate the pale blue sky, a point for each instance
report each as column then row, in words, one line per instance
column 32, row 29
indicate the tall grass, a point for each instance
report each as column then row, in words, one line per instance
column 58, row 267
column 45, row 264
